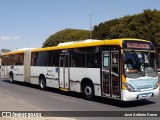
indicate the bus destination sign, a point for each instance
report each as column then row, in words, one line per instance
column 138, row 45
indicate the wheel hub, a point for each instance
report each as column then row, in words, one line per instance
column 88, row 90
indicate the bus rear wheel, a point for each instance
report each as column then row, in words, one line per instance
column 88, row 91
column 42, row 83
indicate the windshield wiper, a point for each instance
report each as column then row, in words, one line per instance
column 135, row 58
column 149, row 52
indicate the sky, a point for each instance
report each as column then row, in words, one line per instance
column 28, row 23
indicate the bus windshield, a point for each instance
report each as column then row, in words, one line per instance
column 138, row 64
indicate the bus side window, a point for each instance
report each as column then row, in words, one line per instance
column 78, row 58
column 55, row 59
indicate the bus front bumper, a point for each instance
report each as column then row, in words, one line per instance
column 131, row 96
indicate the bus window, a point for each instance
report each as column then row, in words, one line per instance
column 106, row 60
column 78, row 58
column 40, row 59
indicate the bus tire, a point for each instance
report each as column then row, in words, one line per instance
column 42, row 83
column 11, row 78
column 88, row 91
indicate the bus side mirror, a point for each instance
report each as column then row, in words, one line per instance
column 123, row 58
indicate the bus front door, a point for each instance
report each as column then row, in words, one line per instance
column 110, row 74
column 64, row 71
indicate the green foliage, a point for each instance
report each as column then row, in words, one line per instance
column 66, row 36
column 5, row 50
column 143, row 26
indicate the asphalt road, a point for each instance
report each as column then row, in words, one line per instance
column 55, row 100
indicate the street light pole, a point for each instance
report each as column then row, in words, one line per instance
column 90, row 26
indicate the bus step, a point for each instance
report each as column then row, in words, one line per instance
column 63, row 89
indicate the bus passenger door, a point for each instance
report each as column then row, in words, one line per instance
column 106, row 73
column 110, row 74
column 4, row 72
column 64, row 71
column 115, row 79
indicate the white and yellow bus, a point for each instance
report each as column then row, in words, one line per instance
column 123, row 69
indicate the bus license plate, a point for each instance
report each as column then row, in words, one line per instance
column 145, row 95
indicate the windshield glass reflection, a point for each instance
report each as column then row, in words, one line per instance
column 138, row 64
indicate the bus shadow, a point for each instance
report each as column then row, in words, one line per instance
column 48, row 89
column 21, row 84
column 106, row 101
column 123, row 104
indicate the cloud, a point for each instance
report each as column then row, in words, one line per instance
column 4, row 38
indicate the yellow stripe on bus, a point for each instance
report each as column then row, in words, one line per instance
column 63, row 89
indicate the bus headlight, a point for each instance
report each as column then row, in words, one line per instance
column 129, row 87
column 156, row 85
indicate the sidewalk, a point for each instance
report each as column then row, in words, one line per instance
column 9, row 103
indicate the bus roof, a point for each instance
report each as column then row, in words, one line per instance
column 89, row 43
column 78, row 44
column 18, row 51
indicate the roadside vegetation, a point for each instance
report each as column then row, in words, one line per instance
column 144, row 25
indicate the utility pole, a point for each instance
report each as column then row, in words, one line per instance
column 90, row 16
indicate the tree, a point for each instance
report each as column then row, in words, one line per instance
column 5, row 50
column 145, row 25
column 102, row 31
column 66, row 36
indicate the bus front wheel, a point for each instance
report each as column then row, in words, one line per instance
column 88, row 91
column 42, row 83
